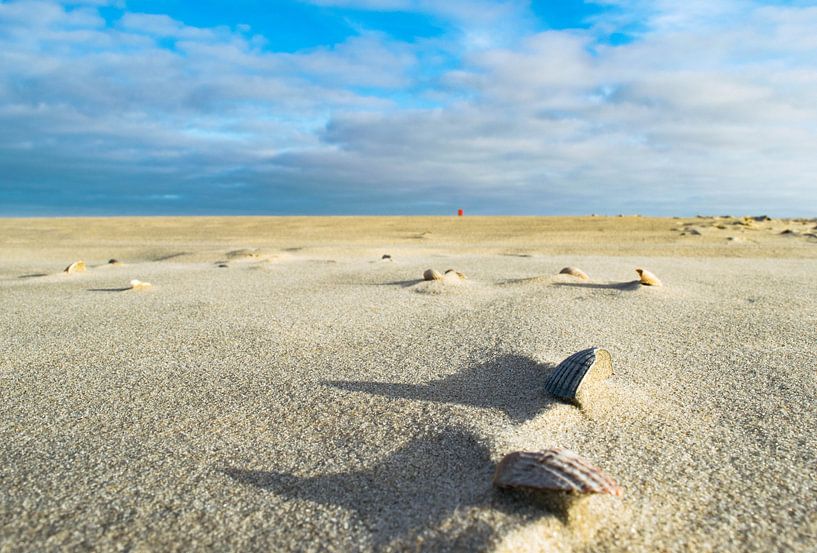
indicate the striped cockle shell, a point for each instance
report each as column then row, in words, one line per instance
column 647, row 278
column 139, row 285
column 591, row 364
column 431, row 274
column 75, row 267
column 576, row 272
column 554, row 470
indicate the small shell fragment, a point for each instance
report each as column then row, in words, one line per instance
column 591, row 364
column 114, row 262
column 75, row 267
column 456, row 274
column 576, row 272
column 647, row 278
column 431, row 274
column 553, row 470
column 386, row 257
column 139, row 285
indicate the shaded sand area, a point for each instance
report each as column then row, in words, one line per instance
column 279, row 387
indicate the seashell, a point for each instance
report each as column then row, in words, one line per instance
column 386, row 257
column 244, row 254
column 576, row 272
column 139, row 285
column 222, row 266
column 457, row 274
column 431, row 274
column 114, row 262
column 591, row 364
column 647, row 278
column 554, row 470
column 75, row 267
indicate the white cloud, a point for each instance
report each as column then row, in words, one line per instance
column 709, row 108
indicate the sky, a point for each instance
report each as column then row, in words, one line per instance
column 392, row 107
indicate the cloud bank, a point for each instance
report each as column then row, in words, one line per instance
column 654, row 107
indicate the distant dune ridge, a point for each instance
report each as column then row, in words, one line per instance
column 279, row 388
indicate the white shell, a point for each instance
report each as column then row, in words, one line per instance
column 647, row 278
column 566, row 379
column 75, row 267
column 553, row 470
column 576, row 272
column 139, row 285
column 431, row 274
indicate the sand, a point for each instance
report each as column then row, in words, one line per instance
column 311, row 397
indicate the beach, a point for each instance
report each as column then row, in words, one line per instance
column 282, row 387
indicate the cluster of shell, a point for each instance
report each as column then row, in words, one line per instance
column 432, row 274
column 560, row 470
column 645, row 277
column 80, row 267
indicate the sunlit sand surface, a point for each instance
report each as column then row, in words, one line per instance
column 281, row 388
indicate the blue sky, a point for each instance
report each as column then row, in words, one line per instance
column 407, row 107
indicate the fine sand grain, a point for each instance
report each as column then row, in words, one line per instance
column 308, row 397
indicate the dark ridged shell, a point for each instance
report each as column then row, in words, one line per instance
column 566, row 378
column 553, row 470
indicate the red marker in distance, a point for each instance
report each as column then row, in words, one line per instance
column 459, row 212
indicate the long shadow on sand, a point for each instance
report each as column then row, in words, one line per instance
column 109, row 289
column 411, row 491
column 403, row 283
column 624, row 286
column 511, row 383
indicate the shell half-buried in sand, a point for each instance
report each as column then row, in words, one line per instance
column 451, row 273
column 554, row 470
column 647, row 278
column 577, row 371
column 431, row 274
column 139, row 285
column 75, row 267
column 576, row 272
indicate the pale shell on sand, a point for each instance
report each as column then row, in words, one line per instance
column 647, row 278
column 554, row 470
column 591, row 364
column 75, row 267
column 139, row 285
column 431, row 274
column 455, row 274
column 576, row 272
